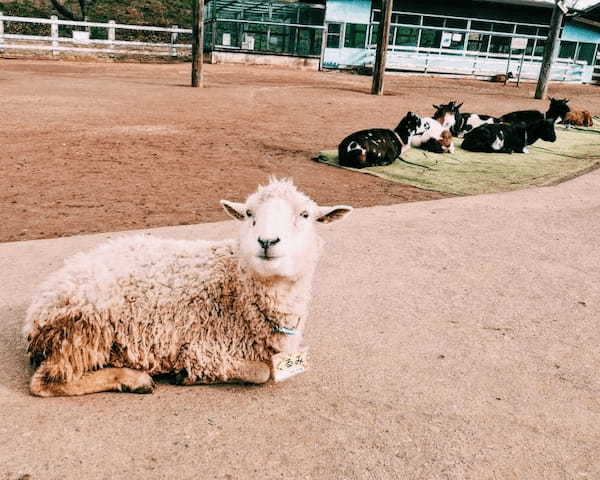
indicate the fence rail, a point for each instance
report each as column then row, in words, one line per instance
column 81, row 41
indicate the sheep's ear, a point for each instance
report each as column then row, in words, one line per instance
column 436, row 107
column 234, row 210
column 331, row 214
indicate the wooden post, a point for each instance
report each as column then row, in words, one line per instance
column 323, row 47
column 197, row 42
column 111, row 33
column 383, row 36
column 54, row 33
column 1, row 31
column 174, row 41
column 550, row 50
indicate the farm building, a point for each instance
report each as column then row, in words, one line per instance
column 467, row 37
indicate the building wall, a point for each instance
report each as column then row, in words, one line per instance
column 580, row 32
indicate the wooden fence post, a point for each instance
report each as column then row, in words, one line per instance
column 197, row 42
column 383, row 35
column 173, row 42
column 1, row 31
column 111, row 33
column 550, row 51
column 54, row 33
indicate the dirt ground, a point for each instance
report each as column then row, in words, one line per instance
column 96, row 147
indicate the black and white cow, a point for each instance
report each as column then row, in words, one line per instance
column 465, row 122
column 556, row 111
column 508, row 138
column 378, row 146
column 432, row 139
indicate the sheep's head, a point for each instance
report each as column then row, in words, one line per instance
column 278, row 236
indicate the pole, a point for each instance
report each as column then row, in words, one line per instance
column 197, row 42
column 550, row 49
column 383, row 36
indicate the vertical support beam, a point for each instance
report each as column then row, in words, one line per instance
column 550, row 51
column 54, row 33
column 383, row 36
column 2, row 32
column 197, row 42
column 111, row 33
column 174, row 36
column 323, row 47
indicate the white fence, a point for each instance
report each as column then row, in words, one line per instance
column 474, row 64
column 80, row 41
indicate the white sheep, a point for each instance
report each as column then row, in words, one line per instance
column 204, row 311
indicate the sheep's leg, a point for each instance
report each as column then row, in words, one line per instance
column 105, row 380
column 250, row 371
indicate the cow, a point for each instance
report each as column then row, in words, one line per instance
column 557, row 110
column 582, row 118
column 378, row 146
column 508, row 138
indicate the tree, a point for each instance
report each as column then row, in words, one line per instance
column 84, row 7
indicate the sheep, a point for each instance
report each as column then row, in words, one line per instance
column 582, row 118
column 202, row 311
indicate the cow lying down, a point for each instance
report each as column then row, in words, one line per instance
column 508, row 138
column 378, row 146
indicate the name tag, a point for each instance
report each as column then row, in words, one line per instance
column 286, row 365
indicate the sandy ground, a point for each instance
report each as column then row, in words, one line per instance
column 455, row 339
column 98, row 147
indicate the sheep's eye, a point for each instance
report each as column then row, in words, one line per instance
column 248, row 213
column 304, row 214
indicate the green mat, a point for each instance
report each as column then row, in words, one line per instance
column 575, row 151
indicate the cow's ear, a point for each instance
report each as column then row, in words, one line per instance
column 436, row 107
column 458, row 106
column 234, row 210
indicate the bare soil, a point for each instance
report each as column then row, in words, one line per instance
column 95, row 147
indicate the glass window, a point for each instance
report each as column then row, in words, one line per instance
column 228, row 34
column 478, row 42
column 504, row 27
column 374, row 31
column 567, row 49
column 499, row 44
column 539, row 48
column 408, row 19
column 456, row 23
column 453, row 40
column 430, row 38
column 526, row 30
column 333, row 35
column 586, row 52
column 542, row 32
column 405, row 36
column 530, row 46
column 433, row 21
column 356, row 35
column 485, row 26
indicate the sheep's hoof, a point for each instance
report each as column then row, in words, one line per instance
column 141, row 383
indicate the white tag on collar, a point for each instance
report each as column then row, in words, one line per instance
column 288, row 364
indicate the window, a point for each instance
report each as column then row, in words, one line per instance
column 333, row 35
column 499, row 44
column 404, row 36
column 504, row 27
column 453, row 40
column 478, row 42
column 485, row 26
column 433, row 21
column 408, row 19
column 567, row 50
column 526, row 30
column 455, row 23
column 586, row 52
column 356, row 35
column 430, row 38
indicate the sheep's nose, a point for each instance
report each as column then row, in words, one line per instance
column 266, row 243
